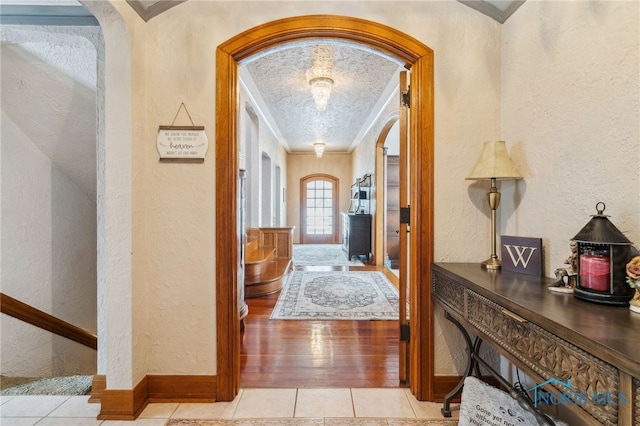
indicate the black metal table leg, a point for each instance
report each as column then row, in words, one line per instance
column 475, row 355
column 471, row 364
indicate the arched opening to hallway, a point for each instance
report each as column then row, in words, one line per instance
column 419, row 59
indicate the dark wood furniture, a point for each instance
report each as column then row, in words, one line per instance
column 356, row 234
column 550, row 335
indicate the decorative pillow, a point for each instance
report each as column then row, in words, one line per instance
column 482, row 404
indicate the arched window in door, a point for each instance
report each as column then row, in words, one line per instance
column 319, row 209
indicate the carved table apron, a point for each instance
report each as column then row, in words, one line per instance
column 550, row 336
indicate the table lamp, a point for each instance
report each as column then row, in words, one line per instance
column 494, row 164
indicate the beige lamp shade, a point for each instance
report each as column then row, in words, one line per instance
column 494, row 163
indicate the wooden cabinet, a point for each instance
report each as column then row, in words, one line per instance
column 356, row 234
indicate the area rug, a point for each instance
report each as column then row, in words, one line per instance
column 321, row 255
column 348, row 295
column 336, row 421
column 67, row 385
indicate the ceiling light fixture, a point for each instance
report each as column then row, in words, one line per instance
column 319, row 76
column 321, row 90
column 318, row 147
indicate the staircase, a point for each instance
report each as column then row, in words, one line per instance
column 63, row 385
column 267, row 260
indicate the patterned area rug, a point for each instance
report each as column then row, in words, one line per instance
column 321, row 255
column 342, row 421
column 352, row 295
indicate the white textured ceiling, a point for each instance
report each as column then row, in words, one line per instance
column 363, row 81
column 48, row 84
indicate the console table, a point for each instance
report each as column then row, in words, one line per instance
column 549, row 336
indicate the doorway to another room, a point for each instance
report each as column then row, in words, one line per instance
column 319, row 209
column 415, row 56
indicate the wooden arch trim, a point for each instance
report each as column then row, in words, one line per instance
column 418, row 58
column 386, row 128
column 346, row 28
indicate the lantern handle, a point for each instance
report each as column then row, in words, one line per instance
column 600, row 211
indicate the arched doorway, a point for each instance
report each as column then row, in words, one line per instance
column 419, row 59
column 319, row 209
column 381, row 181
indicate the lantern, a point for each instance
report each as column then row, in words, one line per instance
column 603, row 252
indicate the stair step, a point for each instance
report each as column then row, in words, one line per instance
column 257, row 261
column 251, row 244
column 63, row 385
column 270, row 281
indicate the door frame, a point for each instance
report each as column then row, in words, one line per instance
column 419, row 59
column 380, row 221
column 335, row 200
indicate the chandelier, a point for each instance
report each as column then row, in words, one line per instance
column 321, row 90
column 318, row 147
column 319, row 76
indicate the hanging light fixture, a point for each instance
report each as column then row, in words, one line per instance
column 319, row 76
column 318, row 147
column 321, row 90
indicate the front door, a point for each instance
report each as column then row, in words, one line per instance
column 319, row 209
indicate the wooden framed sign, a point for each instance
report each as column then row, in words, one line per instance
column 521, row 254
column 182, row 142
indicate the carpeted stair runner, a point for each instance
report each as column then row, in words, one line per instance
column 67, row 385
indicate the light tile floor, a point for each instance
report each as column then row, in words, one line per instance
column 249, row 404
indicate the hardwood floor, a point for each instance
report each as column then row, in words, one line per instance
column 307, row 354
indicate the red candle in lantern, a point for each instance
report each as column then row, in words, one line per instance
column 595, row 272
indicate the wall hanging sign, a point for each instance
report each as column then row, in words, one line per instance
column 182, row 142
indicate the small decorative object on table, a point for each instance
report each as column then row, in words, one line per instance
column 570, row 273
column 522, row 255
column 633, row 279
column 603, row 252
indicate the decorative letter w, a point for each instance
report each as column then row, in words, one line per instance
column 519, row 251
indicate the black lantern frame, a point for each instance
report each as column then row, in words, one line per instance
column 603, row 252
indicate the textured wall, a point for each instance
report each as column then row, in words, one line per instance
column 48, row 180
column 122, row 305
column 570, row 114
column 556, row 81
column 178, row 232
